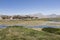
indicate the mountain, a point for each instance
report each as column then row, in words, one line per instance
column 40, row 15
column 52, row 16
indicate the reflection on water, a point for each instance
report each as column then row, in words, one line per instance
column 3, row 26
column 43, row 26
column 38, row 26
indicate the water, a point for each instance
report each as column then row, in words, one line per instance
column 37, row 26
column 3, row 26
column 43, row 26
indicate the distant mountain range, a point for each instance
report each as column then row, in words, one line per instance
column 40, row 15
column 45, row 16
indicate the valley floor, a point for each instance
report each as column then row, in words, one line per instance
column 21, row 33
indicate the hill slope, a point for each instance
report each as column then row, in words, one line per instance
column 20, row 33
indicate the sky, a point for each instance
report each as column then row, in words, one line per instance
column 24, row 7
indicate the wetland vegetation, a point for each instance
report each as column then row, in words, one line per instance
column 21, row 33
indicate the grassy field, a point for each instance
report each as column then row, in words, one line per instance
column 21, row 33
column 23, row 22
column 38, row 29
column 28, row 22
column 54, row 24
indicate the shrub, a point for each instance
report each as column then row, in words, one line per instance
column 52, row 30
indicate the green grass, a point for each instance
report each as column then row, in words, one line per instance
column 50, row 19
column 23, row 22
column 52, row 30
column 21, row 33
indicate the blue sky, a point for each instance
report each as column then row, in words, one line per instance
column 22, row 7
